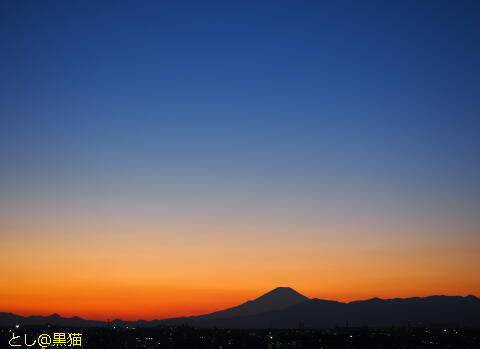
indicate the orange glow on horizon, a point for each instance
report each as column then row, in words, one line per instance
column 122, row 276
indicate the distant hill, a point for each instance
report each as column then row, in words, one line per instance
column 435, row 310
column 9, row 319
column 284, row 307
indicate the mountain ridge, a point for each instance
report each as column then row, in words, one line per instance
column 283, row 307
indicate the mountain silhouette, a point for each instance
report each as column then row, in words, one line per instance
column 288, row 308
column 454, row 311
column 9, row 319
column 284, row 307
column 279, row 298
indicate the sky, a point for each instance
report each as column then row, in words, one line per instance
column 169, row 158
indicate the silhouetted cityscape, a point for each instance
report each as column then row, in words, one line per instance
column 186, row 337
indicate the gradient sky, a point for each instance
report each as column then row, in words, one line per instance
column 172, row 158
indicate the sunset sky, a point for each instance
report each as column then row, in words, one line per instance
column 172, row 158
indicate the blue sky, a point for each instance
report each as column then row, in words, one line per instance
column 372, row 92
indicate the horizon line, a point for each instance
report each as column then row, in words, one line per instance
column 191, row 316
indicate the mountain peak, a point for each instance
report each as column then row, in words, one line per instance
column 276, row 299
column 283, row 289
column 281, row 297
column 284, row 292
column 54, row 316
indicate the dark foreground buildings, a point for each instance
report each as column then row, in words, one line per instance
column 183, row 337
